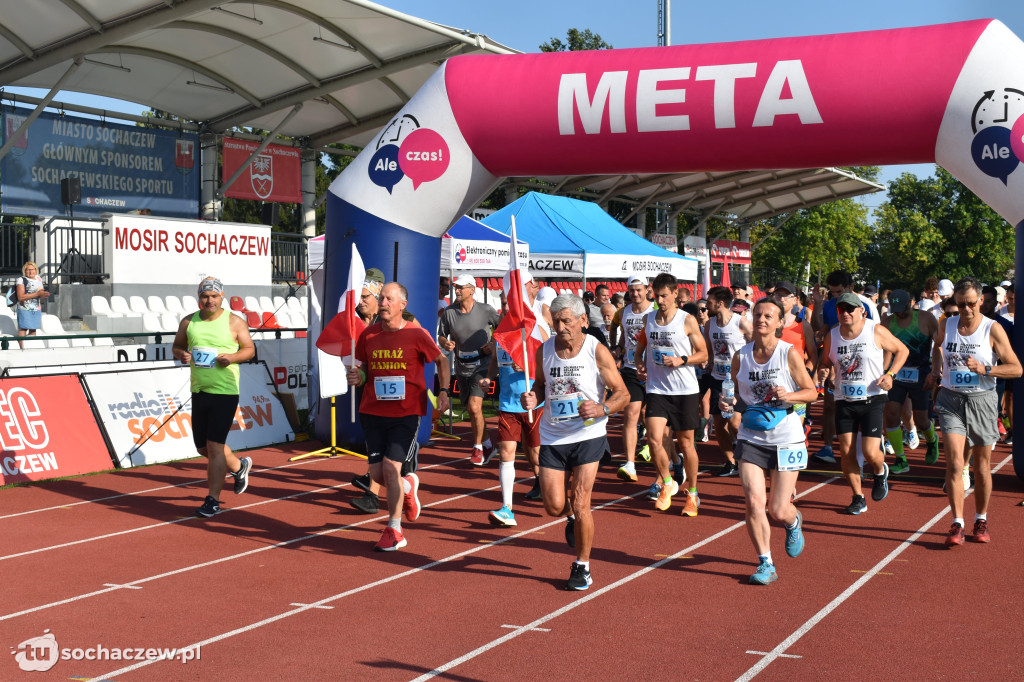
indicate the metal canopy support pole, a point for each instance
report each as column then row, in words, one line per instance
column 256, row 152
column 309, row 192
column 772, row 231
column 210, row 207
column 23, row 128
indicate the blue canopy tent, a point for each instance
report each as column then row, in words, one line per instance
column 471, row 247
column 577, row 238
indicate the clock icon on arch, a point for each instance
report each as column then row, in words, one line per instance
column 998, row 108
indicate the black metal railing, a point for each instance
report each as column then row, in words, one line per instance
column 288, row 257
column 74, row 251
column 17, row 245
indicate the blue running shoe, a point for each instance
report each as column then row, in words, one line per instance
column 503, row 517
column 825, row 455
column 764, row 574
column 880, row 487
column 654, row 492
column 795, row 537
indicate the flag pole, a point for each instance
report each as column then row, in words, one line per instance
column 352, row 389
column 526, row 354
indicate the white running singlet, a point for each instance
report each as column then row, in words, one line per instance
column 669, row 340
column 725, row 341
column 566, row 383
column 955, row 351
column 858, row 364
column 756, row 384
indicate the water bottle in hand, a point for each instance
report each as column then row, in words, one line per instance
column 728, row 394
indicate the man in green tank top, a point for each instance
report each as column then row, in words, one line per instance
column 212, row 342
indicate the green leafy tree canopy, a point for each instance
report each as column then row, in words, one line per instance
column 575, row 41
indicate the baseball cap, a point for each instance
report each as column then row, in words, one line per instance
column 546, row 295
column 506, row 283
column 738, row 284
column 788, row 286
column 636, row 278
column 870, row 290
column 1005, row 283
column 945, row 288
column 740, row 303
column 925, row 304
column 849, row 298
column 899, row 301
column 465, row 281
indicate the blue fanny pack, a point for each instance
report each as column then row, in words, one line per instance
column 763, row 418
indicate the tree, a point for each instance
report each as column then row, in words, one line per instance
column 576, row 41
column 936, row 227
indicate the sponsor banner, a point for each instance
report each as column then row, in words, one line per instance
column 147, row 415
column 610, row 266
column 288, row 362
column 665, row 241
column 480, row 213
column 274, row 175
column 122, row 168
column 47, row 430
column 695, row 247
column 481, row 254
column 738, row 253
column 185, row 251
column 555, row 265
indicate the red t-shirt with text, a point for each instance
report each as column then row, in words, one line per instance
column 394, row 363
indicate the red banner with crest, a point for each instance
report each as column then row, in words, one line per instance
column 274, row 175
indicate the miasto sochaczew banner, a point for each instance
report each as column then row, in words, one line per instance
column 47, row 430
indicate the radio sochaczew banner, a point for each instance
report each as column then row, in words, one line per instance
column 147, row 414
column 47, row 430
column 274, row 175
column 122, row 168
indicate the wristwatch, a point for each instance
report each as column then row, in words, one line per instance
column 606, row 410
column 686, row 360
column 988, row 368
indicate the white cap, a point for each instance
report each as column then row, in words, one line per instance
column 636, row 278
column 945, row 288
column 925, row 304
column 465, row 281
column 546, row 295
column 523, row 272
column 1000, row 294
column 1005, row 283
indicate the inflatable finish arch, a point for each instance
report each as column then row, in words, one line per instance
column 952, row 94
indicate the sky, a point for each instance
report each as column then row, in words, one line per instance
column 525, row 24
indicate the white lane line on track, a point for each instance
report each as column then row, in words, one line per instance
column 367, row 586
column 593, row 595
column 848, row 592
column 135, row 583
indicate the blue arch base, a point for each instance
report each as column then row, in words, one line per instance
column 1018, row 348
column 404, row 256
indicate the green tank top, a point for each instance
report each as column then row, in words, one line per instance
column 206, row 340
column 918, row 343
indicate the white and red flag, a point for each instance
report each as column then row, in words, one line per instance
column 518, row 332
column 339, row 336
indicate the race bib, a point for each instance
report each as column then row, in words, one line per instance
column 389, row 388
column 792, row 457
column 907, row 375
column 964, row 378
column 855, row 391
column 204, row 357
column 563, row 408
column 631, row 356
column 504, row 359
column 723, row 368
column 662, row 352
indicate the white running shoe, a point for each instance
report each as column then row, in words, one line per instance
column 913, row 441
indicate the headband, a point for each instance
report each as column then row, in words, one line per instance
column 211, row 284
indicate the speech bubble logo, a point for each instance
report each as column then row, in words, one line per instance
column 38, row 654
column 424, row 156
column 385, row 171
column 1017, row 138
column 993, row 153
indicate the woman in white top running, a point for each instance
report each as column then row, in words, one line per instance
column 771, row 380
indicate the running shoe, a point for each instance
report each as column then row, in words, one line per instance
column 858, row 506
column 664, row 500
column 627, row 472
column 534, row 492
column 906, row 437
column 570, row 531
column 211, row 507
column 503, row 517
column 391, row 540
column 795, row 537
column 362, row 482
column 900, row 466
column 728, row 469
column 702, row 432
column 931, row 455
column 825, row 455
column 368, row 503
column 913, row 440
column 579, row 577
column 645, row 453
column 242, row 475
column 1009, row 438
column 654, row 491
column 411, row 502
column 678, row 472
column 956, row 535
column 967, row 480
column 478, row 458
column 764, row 574
column 980, row 533
column 887, row 446
column 880, row 486
column 692, row 504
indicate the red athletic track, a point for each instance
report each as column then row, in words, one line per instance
column 876, row 596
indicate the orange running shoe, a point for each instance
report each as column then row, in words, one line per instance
column 980, row 533
column 956, row 535
column 692, row 504
column 664, row 500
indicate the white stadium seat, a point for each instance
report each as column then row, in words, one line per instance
column 120, row 306
column 101, row 307
column 266, row 304
column 252, row 304
column 170, row 321
column 173, row 305
column 155, row 304
column 189, row 303
column 151, row 323
column 279, row 303
column 137, row 305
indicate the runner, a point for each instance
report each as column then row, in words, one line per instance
column 772, row 380
column 626, row 330
column 515, row 425
column 725, row 333
column 394, row 353
column 916, row 331
column 970, row 353
column 671, row 346
column 797, row 332
column 856, row 348
column 573, row 373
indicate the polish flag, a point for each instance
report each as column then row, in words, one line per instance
column 339, row 336
column 518, row 332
